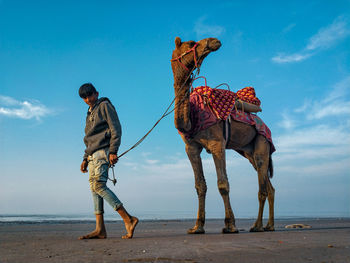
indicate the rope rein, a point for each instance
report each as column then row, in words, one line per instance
column 167, row 112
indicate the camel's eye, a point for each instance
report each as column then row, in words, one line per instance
column 192, row 43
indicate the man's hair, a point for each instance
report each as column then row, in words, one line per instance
column 86, row 90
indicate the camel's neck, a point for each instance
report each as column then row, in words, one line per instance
column 182, row 104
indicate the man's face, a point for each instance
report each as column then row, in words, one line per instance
column 91, row 100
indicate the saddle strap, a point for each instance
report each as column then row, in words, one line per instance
column 227, row 130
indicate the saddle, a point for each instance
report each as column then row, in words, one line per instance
column 209, row 106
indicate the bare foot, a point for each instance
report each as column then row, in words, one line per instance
column 95, row 235
column 130, row 227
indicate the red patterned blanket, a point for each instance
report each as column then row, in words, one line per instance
column 209, row 106
column 221, row 101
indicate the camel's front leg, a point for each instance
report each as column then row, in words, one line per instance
column 193, row 153
column 218, row 152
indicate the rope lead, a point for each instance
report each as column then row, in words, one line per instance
column 165, row 114
column 114, row 181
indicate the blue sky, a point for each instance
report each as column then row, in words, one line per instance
column 295, row 54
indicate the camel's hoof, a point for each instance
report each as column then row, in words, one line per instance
column 256, row 229
column 196, row 230
column 230, row 230
column 269, row 228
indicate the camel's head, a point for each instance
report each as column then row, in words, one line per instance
column 187, row 55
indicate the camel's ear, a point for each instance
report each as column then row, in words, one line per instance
column 177, row 42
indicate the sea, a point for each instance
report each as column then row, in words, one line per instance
column 112, row 217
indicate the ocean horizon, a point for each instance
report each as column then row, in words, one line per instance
column 109, row 217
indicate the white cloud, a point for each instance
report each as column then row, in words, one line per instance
column 304, row 107
column 297, row 57
column 330, row 35
column 319, row 135
column 328, row 168
column 287, row 121
column 298, row 152
column 151, row 162
column 325, row 38
column 13, row 108
column 202, row 29
column 332, row 109
column 335, row 103
column 316, row 144
column 321, row 150
column 340, row 90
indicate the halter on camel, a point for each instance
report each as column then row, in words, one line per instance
column 178, row 59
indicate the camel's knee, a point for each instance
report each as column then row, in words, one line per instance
column 259, row 161
column 262, row 195
column 224, row 187
column 194, row 151
column 201, row 189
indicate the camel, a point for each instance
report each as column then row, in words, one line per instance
column 186, row 57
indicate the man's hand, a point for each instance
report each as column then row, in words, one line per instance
column 83, row 166
column 113, row 158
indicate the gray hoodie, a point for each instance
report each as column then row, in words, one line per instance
column 102, row 128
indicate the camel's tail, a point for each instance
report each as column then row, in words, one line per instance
column 270, row 169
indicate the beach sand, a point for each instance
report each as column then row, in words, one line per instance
column 328, row 240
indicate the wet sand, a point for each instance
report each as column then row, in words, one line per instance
column 166, row 241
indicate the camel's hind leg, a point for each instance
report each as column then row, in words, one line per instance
column 261, row 158
column 193, row 152
column 270, row 226
column 218, row 151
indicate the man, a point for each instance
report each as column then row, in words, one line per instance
column 102, row 140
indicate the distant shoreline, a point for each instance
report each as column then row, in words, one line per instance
column 65, row 220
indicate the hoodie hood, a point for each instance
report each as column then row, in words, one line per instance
column 99, row 101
